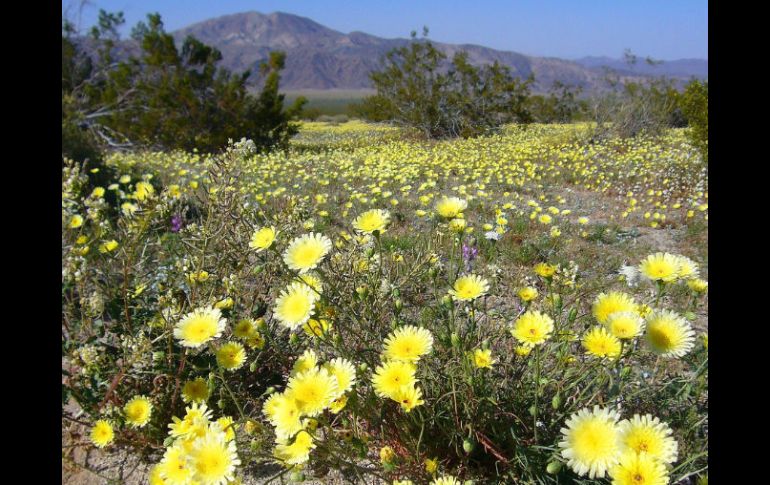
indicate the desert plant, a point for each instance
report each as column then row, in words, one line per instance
column 418, row 89
column 694, row 103
column 166, row 97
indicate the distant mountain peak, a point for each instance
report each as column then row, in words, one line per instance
column 318, row 57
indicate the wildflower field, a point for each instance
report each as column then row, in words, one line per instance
column 370, row 307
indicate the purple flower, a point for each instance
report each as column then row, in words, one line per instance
column 176, row 223
column 469, row 253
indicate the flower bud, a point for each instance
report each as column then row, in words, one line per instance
column 455, row 339
column 572, row 315
column 251, row 427
column 557, row 303
column 553, row 467
column 625, row 372
column 468, row 445
column 556, row 401
column 387, row 455
column 297, row 476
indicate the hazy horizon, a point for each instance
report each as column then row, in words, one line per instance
column 659, row 29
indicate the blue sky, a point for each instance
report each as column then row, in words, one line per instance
column 662, row 29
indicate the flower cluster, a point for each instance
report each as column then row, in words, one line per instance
column 311, row 389
column 201, row 450
column 633, row 451
column 456, row 301
column 395, row 378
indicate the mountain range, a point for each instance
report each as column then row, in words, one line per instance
column 321, row 58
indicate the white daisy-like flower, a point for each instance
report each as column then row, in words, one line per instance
column 631, row 274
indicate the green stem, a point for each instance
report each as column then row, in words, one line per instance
column 232, row 396
column 661, row 288
column 537, row 387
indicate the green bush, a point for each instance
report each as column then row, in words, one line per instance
column 417, row 89
column 560, row 106
column 167, row 97
column 695, row 106
column 634, row 108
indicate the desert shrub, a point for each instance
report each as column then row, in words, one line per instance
column 638, row 108
column 694, row 104
column 335, row 119
column 311, row 114
column 561, row 105
column 418, row 89
column 165, row 97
